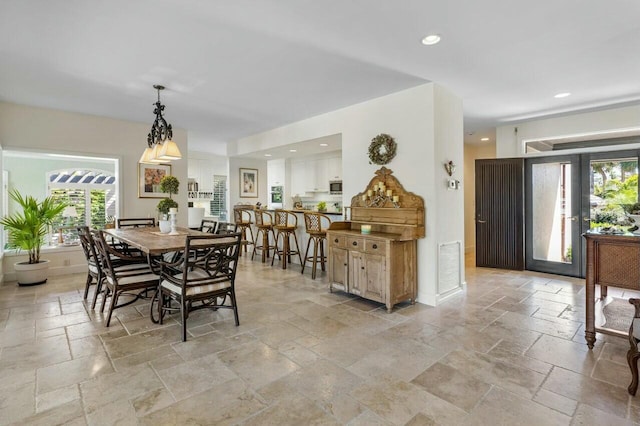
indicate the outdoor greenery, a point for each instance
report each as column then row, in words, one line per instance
column 615, row 185
column 28, row 228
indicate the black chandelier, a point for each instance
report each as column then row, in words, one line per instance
column 160, row 147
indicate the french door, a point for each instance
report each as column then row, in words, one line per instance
column 567, row 195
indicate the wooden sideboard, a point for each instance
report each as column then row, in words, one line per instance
column 612, row 260
column 381, row 265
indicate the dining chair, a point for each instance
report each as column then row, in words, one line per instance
column 226, row 228
column 206, row 278
column 242, row 218
column 143, row 222
column 122, row 274
column 208, row 225
column 94, row 271
column 264, row 224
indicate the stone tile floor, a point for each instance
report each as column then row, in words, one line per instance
column 510, row 350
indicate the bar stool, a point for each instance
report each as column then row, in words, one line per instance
column 285, row 225
column 264, row 223
column 242, row 218
column 317, row 236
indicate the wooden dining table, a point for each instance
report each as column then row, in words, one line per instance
column 152, row 242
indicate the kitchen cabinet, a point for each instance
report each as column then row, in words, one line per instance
column 334, row 168
column 380, row 265
column 310, row 175
column 276, row 172
column 202, row 171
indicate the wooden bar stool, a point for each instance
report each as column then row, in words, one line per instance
column 264, row 223
column 317, row 236
column 285, row 225
column 242, row 218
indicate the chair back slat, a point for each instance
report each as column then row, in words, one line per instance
column 88, row 245
column 136, row 222
column 314, row 222
column 263, row 218
column 226, row 228
column 285, row 218
column 209, row 226
column 242, row 215
column 211, row 263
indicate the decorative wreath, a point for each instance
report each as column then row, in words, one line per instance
column 382, row 149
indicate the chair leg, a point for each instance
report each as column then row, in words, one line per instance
column 632, row 359
column 265, row 243
column 322, row 256
column 104, row 298
column 255, row 246
column 315, row 258
column 285, row 250
column 183, row 314
column 87, row 285
column 295, row 239
column 275, row 250
column 160, row 304
column 114, row 299
column 306, row 255
column 98, row 290
column 232, row 296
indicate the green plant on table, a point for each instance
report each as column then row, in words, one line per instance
column 169, row 184
column 165, row 204
column 322, row 206
column 28, row 229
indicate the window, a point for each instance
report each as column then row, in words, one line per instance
column 219, row 201
column 91, row 192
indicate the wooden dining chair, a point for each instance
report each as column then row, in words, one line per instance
column 120, row 276
column 226, row 228
column 208, row 225
column 132, row 222
column 206, row 280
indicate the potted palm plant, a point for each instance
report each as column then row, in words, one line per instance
column 28, row 231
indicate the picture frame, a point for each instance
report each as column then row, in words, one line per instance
column 248, row 183
column 149, row 176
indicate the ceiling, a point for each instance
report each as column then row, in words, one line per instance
column 236, row 68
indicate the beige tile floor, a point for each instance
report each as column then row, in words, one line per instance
column 510, row 350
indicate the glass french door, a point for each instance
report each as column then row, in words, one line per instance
column 552, row 214
column 570, row 194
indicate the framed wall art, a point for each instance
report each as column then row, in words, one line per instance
column 248, row 183
column 149, row 176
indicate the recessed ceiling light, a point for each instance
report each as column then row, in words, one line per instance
column 324, row 144
column 267, row 155
column 293, row 150
column 431, row 39
column 484, row 139
column 562, row 95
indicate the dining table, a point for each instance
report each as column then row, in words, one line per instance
column 151, row 241
column 154, row 243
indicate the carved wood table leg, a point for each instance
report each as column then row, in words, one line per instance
column 589, row 327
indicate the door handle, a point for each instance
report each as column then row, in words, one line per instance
column 482, row 221
column 573, row 218
column 586, row 219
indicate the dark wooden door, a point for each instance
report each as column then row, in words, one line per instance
column 500, row 213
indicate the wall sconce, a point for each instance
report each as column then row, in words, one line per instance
column 450, row 167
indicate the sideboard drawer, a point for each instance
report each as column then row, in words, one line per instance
column 375, row 246
column 337, row 241
column 356, row 244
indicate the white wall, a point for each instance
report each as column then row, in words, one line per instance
column 471, row 154
column 31, row 128
column 510, row 144
column 426, row 122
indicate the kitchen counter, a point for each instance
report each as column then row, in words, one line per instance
column 305, row 211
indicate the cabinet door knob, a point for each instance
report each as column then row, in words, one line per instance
column 354, row 243
column 375, row 246
column 335, row 241
column 362, row 268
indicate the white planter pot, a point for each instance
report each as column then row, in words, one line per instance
column 31, row 274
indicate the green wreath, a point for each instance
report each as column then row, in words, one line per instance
column 382, row 149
